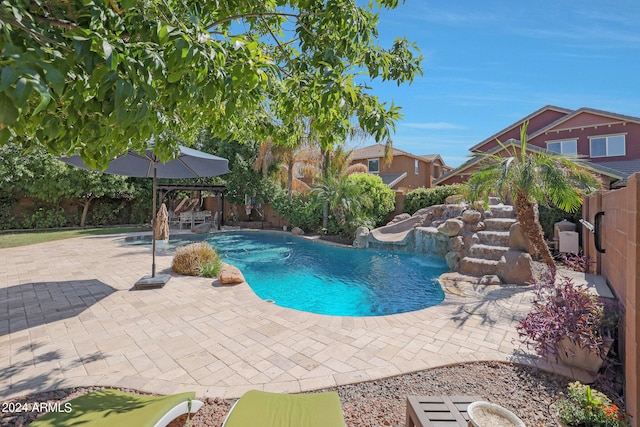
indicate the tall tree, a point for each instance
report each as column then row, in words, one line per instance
column 98, row 77
column 529, row 178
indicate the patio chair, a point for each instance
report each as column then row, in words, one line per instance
column 262, row 409
column 106, row 408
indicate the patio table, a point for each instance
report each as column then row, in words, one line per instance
column 438, row 411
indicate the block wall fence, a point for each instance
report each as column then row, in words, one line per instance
column 619, row 265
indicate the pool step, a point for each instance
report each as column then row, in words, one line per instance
column 478, row 266
column 487, row 251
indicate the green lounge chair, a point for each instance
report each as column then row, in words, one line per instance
column 262, row 409
column 106, row 408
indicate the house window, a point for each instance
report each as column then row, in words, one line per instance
column 569, row 146
column 607, row 146
column 415, row 167
column 374, row 165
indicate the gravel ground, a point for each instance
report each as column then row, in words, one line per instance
column 526, row 391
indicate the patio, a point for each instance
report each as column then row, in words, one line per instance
column 69, row 318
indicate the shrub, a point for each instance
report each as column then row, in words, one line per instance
column 47, row 217
column 196, row 259
column 588, row 407
column 576, row 262
column 382, row 199
column 425, row 197
column 301, row 211
column 563, row 310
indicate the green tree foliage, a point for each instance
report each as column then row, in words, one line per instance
column 531, row 178
column 300, row 210
column 244, row 179
column 98, row 77
column 424, row 197
column 41, row 176
column 382, row 198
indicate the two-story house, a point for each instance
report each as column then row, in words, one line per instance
column 403, row 171
column 608, row 143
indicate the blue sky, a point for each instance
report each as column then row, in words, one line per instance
column 489, row 63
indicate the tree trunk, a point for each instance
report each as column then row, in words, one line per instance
column 290, row 183
column 325, row 214
column 526, row 213
column 85, row 210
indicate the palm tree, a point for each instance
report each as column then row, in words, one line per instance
column 339, row 196
column 530, row 178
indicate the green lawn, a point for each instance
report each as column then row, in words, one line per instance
column 11, row 240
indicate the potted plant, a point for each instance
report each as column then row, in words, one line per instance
column 587, row 407
column 569, row 324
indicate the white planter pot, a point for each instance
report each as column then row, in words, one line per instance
column 487, row 414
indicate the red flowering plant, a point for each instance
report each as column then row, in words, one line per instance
column 588, row 407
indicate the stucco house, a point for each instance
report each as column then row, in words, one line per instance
column 608, row 143
column 405, row 171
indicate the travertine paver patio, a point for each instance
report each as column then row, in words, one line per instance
column 69, row 317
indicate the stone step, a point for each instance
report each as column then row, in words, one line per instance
column 502, row 211
column 477, row 266
column 493, row 238
column 499, row 224
column 487, row 251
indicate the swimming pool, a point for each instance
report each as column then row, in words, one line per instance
column 297, row 273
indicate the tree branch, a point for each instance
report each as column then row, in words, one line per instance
column 39, row 38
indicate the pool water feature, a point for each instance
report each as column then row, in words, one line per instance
column 311, row 276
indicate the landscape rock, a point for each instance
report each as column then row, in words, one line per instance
column 474, row 228
column 362, row 238
column 230, row 275
column 456, row 243
column 453, row 260
column 202, row 228
column 517, row 240
column 451, row 227
column 515, row 268
column 400, row 217
column 297, row 231
column 471, row 216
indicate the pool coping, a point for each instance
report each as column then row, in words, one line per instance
column 72, row 319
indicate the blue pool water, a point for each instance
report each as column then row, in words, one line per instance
column 310, row 276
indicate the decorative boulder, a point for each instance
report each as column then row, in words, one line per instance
column 451, row 227
column 471, row 216
column 456, row 243
column 297, row 231
column 437, row 210
column 453, row 260
column 230, row 275
column 400, row 217
column 202, row 228
column 362, row 238
column 479, row 226
column 515, row 268
column 517, row 240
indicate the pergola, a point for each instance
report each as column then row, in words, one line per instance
column 218, row 190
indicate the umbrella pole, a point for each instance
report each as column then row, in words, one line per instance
column 153, row 281
column 153, row 226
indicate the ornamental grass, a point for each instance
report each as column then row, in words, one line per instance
column 196, row 259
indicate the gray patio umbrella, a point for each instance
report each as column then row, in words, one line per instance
column 189, row 163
